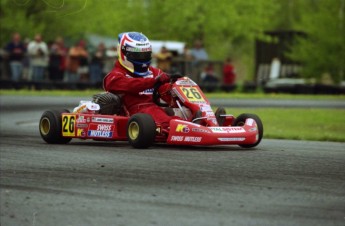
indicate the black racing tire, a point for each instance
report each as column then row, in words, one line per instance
column 50, row 127
column 240, row 120
column 141, row 130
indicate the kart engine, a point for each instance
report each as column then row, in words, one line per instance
column 110, row 104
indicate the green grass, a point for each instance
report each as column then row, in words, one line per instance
column 299, row 124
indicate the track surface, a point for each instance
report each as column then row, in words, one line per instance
column 109, row 183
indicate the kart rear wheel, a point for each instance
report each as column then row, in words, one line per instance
column 50, row 127
column 141, row 130
column 240, row 121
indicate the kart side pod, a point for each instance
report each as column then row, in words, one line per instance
column 187, row 133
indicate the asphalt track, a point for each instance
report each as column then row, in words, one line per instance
column 280, row 182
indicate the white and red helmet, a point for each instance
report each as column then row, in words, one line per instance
column 135, row 51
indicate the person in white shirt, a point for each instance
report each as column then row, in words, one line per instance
column 39, row 57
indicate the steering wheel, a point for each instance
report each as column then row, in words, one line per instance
column 156, row 96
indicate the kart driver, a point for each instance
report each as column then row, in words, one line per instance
column 133, row 78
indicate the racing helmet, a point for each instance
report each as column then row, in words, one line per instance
column 134, row 50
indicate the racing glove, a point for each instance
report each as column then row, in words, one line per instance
column 163, row 78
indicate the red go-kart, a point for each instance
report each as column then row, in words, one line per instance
column 105, row 118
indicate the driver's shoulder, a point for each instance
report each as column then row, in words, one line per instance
column 155, row 71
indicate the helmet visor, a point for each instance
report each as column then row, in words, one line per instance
column 139, row 56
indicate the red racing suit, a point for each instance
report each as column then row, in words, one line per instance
column 136, row 92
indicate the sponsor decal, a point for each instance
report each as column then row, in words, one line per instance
column 216, row 129
column 227, row 129
column 200, row 130
column 104, row 120
column 81, row 119
column 82, row 125
column 81, row 133
column 234, row 129
column 186, row 139
column 249, row 122
column 225, row 139
column 193, row 139
column 253, row 129
column 97, row 133
column 135, row 49
column 147, row 92
column 209, row 113
column 105, row 127
column 182, row 128
column 142, row 44
column 176, row 138
column 186, row 82
column 205, row 108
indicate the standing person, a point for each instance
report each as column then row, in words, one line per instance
column 16, row 50
column 209, row 78
column 164, row 59
column 57, row 61
column 187, row 59
column 229, row 75
column 77, row 63
column 97, row 64
column 38, row 55
column 133, row 78
column 198, row 52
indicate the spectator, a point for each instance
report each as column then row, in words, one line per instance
column 110, row 59
column 97, row 64
column 38, row 56
column 77, row 63
column 57, row 61
column 199, row 52
column 187, row 58
column 209, row 78
column 26, row 61
column 229, row 75
column 164, row 58
column 16, row 50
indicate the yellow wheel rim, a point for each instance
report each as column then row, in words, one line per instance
column 133, row 130
column 45, row 126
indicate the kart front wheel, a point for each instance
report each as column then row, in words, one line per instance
column 50, row 127
column 141, row 130
column 240, row 121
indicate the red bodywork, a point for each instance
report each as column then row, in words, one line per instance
column 181, row 131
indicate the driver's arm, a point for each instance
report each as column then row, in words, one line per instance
column 117, row 82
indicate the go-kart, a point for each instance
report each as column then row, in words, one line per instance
column 105, row 118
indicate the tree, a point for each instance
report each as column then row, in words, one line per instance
column 323, row 50
column 227, row 28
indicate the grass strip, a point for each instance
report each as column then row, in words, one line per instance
column 299, row 124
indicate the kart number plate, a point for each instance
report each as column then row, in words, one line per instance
column 192, row 94
column 68, row 125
